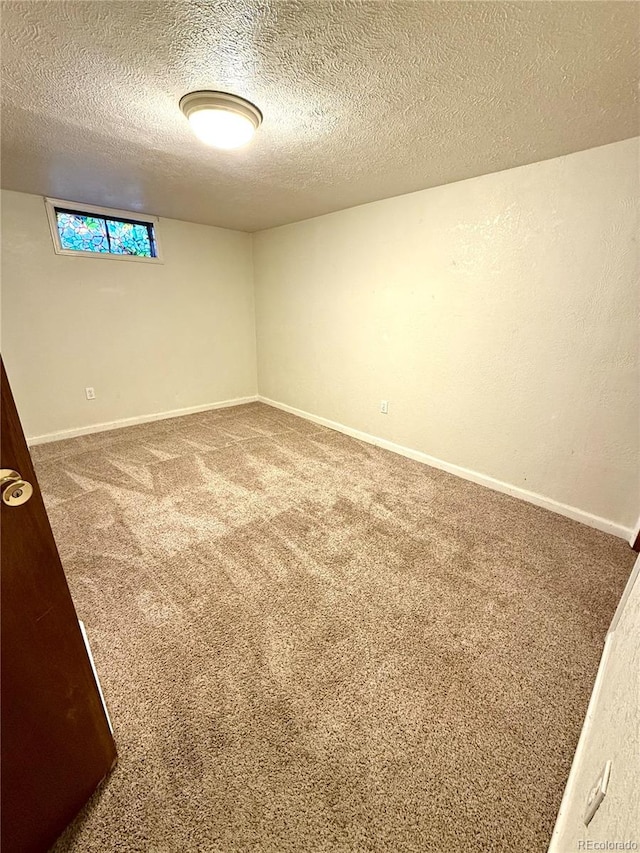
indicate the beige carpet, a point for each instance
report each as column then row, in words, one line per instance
column 311, row 644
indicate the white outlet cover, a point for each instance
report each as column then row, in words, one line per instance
column 91, row 394
column 597, row 794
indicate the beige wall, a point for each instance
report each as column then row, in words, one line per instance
column 611, row 732
column 498, row 316
column 149, row 338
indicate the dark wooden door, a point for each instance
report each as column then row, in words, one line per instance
column 56, row 741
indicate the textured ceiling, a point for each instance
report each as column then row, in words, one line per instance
column 361, row 100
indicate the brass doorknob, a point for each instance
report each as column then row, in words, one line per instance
column 15, row 490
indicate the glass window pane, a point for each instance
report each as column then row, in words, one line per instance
column 84, row 233
column 87, row 232
column 129, row 238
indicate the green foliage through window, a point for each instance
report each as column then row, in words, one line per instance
column 85, row 232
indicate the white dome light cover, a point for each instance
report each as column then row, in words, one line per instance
column 219, row 119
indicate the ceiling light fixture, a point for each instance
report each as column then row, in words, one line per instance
column 219, row 119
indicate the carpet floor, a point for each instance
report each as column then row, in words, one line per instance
column 308, row 643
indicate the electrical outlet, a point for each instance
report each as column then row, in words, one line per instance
column 597, row 794
column 91, row 394
column 384, row 407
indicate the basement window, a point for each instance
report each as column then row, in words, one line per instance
column 88, row 231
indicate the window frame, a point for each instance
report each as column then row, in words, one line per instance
column 104, row 212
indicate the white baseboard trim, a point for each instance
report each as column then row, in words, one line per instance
column 634, row 534
column 626, row 594
column 570, row 791
column 572, row 512
column 140, row 419
column 83, row 631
